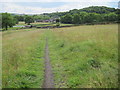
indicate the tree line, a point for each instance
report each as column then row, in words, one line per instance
column 92, row 15
column 9, row 20
column 84, row 17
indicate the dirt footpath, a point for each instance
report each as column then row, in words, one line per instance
column 48, row 78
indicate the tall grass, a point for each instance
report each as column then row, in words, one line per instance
column 0, row 60
column 85, row 56
column 81, row 57
column 23, row 59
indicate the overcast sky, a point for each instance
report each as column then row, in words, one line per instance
column 48, row 6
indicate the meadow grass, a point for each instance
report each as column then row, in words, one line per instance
column 36, row 24
column 21, row 23
column 23, row 62
column 41, row 24
column 0, row 60
column 85, row 56
column 81, row 57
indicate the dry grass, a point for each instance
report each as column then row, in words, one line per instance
column 81, row 57
column 0, row 60
column 20, row 50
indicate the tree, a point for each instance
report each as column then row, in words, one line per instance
column 112, row 17
column 7, row 20
column 16, row 19
column 29, row 19
column 76, row 19
column 0, row 20
column 98, row 17
column 90, row 18
column 19, row 17
column 66, row 19
column 82, row 17
column 57, row 20
column 118, row 14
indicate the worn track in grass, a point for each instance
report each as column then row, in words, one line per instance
column 48, row 78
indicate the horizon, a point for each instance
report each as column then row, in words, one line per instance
column 53, row 12
column 50, row 7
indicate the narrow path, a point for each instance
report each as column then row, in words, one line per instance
column 48, row 78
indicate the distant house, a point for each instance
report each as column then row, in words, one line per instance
column 46, row 20
column 49, row 20
column 38, row 20
column 28, row 26
column 52, row 20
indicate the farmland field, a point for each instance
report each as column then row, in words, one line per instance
column 81, row 57
column 20, row 25
column 23, row 59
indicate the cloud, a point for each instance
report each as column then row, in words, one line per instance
column 12, row 7
column 59, row 1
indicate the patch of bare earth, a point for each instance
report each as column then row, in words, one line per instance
column 48, row 78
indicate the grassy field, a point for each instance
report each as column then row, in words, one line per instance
column 85, row 56
column 81, row 57
column 23, row 62
column 0, row 60
column 42, row 24
column 36, row 24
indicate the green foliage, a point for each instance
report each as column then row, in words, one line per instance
column 57, row 24
column 89, row 15
column 8, row 20
column 57, row 20
column 92, row 9
column 66, row 19
column 82, row 58
column 76, row 19
column 94, row 14
column 0, row 20
column 23, row 62
column 98, row 9
column 29, row 19
column 41, row 17
column 84, row 17
column 112, row 17
column 20, row 17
